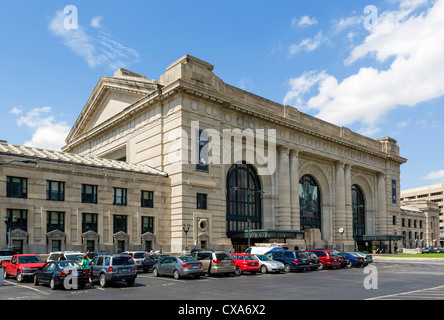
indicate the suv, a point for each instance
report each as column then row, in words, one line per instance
column 245, row 262
column 328, row 258
column 69, row 255
column 215, row 261
column 113, row 267
column 138, row 257
column 292, row 260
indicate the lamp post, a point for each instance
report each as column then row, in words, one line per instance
column 355, row 221
column 186, row 228
column 9, row 223
column 249, row 191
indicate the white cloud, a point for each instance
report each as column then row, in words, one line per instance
column 46, row 132
column 347, row 22
column 16, row 110
column 435, row 175
column 98, row 48
column 303, row 21
column 413, row 43
column 307, row 45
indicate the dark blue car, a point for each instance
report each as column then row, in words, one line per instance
column 292, row 260
column 355, row 260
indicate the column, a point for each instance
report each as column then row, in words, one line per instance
column 340, row 213
column 348, row 199
column 284, row 209
column 381, row 223
column 294, row 190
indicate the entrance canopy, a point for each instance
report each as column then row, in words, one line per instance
column 267, row 234
column 381, row 237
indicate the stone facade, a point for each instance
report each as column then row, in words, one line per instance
column 154, row 123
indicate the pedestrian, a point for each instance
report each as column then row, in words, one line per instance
column 85, row 262
column 62, row 257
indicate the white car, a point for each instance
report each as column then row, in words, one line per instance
column 69, row 255
column 269, row 265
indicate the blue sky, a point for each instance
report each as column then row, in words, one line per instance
column 376, row 67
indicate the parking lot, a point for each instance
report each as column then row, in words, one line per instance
column 385, row 280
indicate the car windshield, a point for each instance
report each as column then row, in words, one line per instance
column 263, row 258
column 188, row 259
column 123, row 260
column 250, row 257
column 75, row 257
column 223, row 256
column 30, row 259
column 139, row 255
column 67, row 264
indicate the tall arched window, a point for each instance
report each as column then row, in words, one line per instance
column 243, row 198
column 310, row 203
column 358, row 203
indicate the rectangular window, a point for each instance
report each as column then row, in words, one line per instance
column 147, row 224
column 55, row 190
column 120, row 223
column 17, row 219
column 120, row 197
column 55, row 221
column 201, row 201
column 147, row 199
column 16, row 187
column 394, row 220
column 202, row 149
column 89, row 222
column 89, row 193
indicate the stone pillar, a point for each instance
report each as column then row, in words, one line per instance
column 340, row 213
column 381, row 222
column 348, row 199
column 294, row 190
column 284, row 207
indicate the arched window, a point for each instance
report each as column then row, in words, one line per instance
column 243, row 198
column 359, row 211
column 310, row 203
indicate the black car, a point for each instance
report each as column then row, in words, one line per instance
column 292, row 260
column 151, row 260
column 66, row 273
column 315, row 263
column 344, row 260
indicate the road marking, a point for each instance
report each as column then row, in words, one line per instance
column 23, row 286
column 413, row 294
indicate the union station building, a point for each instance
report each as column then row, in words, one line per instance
column 188, row 161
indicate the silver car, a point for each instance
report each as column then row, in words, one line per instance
column 178, row 267
column 116, row 267
column 269, row 265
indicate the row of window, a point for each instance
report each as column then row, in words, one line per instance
column 18, row 219
column 55, row 191
column 409, row 222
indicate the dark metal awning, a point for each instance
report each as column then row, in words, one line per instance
column 381, row 237
column 267, row 234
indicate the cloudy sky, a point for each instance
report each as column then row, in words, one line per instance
column 375, row 67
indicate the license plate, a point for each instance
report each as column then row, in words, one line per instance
column 195, row 267
column 253, row 264
column 124, row 270
column 226, row 264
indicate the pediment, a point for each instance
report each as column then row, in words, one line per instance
column 56, row 234
column 120, row 235
column 148, row 236
column 19, row 233
column 90, row 235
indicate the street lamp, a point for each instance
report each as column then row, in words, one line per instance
column 355, row 221
column 186, row 228
column 24, row 161
column 9, row 223
column 249, row 191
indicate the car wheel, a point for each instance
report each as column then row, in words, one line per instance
column 52, row 284
column 238, row 271
column 102, row 280
column 130, row 282
column 155, row 272
column 20, row 277
column 321, row 266
column 5, row 274
column 287, row 267
column 36, row 280
column 176, row 274
column 264, row 269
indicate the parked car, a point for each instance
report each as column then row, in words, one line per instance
column 329, row 259
column 178, row 267
column 439, row 250
column 55, row 273
column 268, row 265
column 22, row 266
column 356, row 260
column 344, row 260
column 368, row 258
column 245, row 262
column 69, row 255
column 149, row 262
column 138, row 257
column 115, row 267
column 6, row 254
column 315, row 263
column 292, row 260
column 92, row 255
column 428, row 250
column 266, row 247
column 215, row 262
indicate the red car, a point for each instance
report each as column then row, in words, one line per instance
column 21, row 266
column 245, row 262
column 328, row 258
